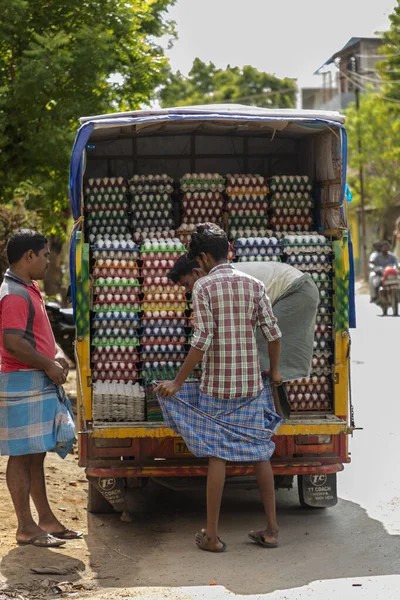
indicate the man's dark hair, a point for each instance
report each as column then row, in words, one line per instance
column 210, row 239
column 182, row 267
column 22, row 241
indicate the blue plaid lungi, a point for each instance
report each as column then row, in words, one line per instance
column 35, row 415
column 238, row 430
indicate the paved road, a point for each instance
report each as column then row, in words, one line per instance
column 357, row 539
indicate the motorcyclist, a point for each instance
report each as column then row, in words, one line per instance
column 378, row 261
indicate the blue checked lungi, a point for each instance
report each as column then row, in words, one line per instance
column 35, row 415
column 238, row 430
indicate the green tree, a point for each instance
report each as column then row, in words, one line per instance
column 206, row 84
column 380, row 156
column 61, row 60
column 390, row 65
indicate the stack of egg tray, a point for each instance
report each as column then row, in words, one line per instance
column 151, row 206
column 164, row 311
column 246, row 205
column 291, row 203
column 106, row 208
column 115, row 311
column 118, row 402
column 312, row 253
column 202, row 201
column 258, row 249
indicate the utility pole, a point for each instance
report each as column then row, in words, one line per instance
column 364, row 253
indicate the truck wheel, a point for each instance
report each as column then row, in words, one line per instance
column 317, row 491
column 96, row 503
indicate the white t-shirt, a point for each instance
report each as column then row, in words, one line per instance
column 277, row 277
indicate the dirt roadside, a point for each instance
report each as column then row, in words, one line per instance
column 79, row 573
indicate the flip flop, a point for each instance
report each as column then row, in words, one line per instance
column 256, row 536
column 44, row 540
column 67, row 534
column 201, row 544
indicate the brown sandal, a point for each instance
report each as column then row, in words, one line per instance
column 257, row 537
column 200, row 541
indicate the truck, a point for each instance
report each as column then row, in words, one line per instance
column 139, row 182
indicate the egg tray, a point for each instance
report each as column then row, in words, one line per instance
column 247, row 190
column 290, row 188
column 163, row 222
column 114, row 316
column 150, row 188
column 116, row 330
column 162, row 288
column 148, row 282
column 114, row 306
column 126, row 324
column 247, row 221
column 113, row 181
column 161, row 322
column 114, row 255
column 190, row 223
column 97, row 207
column 197, row 215
column 149, row 339
column 318, row 407
column 162, row 261
column 106, row 188
column 235, row 234
column 107, row 230
column 132, row 299
column 164, row 306
column 104, row 273
column 165, row 314
column 124, row 289
column 147, row 214
column 118, row 375
column 258, row 250
column 164, row 298
column 154, row 235
column 245, row 213
column 205, row 198
column 109, row 408
column 173, row 251
column 202, row 187
column 115, row 246
column 107, row 191
column 149, row 374
column 164, row 357
column 115, row 341
column 289, row 214
column 153, row 275
column 146, row 198
column 111, row 354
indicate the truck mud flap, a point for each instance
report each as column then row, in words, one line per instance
column 317, row 491
column 112, row 489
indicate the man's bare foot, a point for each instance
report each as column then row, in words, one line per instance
column 209, row 544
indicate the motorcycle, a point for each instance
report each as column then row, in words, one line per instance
column 389, row 291
column 63, row 325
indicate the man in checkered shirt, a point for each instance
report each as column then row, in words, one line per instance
column 228, row 307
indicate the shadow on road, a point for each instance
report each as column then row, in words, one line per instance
column 158, row 547
column 17, row 565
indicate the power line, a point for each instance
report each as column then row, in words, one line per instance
column 362, row 88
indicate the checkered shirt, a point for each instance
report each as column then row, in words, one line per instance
column 228, row 307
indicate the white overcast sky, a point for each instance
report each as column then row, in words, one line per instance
column 289, row 38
